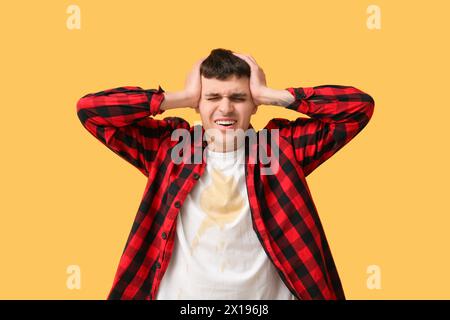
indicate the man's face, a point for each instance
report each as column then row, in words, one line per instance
column 225, row 106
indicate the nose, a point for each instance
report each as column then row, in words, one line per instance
column 225, row 106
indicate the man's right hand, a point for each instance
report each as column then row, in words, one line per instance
column 190, row 95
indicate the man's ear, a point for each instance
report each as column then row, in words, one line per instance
column 196, row 109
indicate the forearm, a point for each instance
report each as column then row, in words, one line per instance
column 337, row 114
column 118, row 107
column 333, row 103
column 177, row 99
column 277, row 97
column 122, row 119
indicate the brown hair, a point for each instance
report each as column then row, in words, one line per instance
column 222, row 63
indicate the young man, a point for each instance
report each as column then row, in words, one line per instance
column 229, row 226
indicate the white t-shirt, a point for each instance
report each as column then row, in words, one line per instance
column 217, row 254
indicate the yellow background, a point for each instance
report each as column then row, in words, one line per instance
column 68, row 200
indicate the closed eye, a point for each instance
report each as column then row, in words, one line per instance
column 236, row 99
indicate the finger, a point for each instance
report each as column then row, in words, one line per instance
column 250, row 58
column 240, row 55
column 253, row 59
column 247, row 59
column 199, row 62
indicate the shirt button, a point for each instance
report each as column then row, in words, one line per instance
column 164, row 235
column 157, row 265
column 196, row 176
column 177, row 204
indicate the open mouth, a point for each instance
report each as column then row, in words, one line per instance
column 225, row 123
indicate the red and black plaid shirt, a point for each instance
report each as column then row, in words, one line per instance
column 284, row 216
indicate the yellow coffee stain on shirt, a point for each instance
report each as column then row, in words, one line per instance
column 221, row 201
column 222, row 265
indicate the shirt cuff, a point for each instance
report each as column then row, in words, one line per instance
column 156, row 98
column 300, row 94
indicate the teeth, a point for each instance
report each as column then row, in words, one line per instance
column 225, row 122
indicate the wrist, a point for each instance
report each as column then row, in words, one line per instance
column 177, row 99
column 275, row 97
